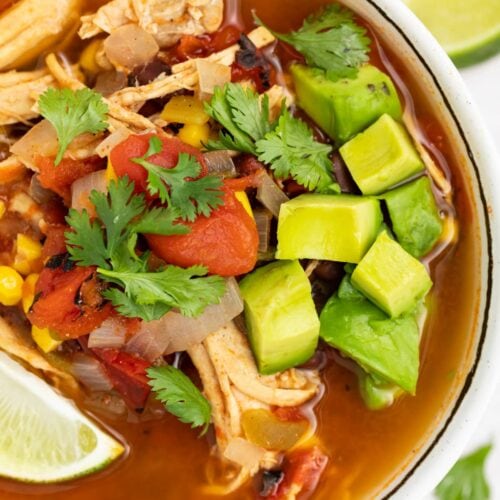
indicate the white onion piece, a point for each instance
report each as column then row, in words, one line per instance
column 130, row 46
column 111, row 335
column 244, row 453
column 175, row 332
column 104, row 148
column 211, row 75
column 270, row 195
column 220, row 164
column 81, row 189
column 109, row 82
column 90, row 373
column 263, row 220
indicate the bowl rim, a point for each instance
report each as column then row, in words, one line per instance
column 442, row 449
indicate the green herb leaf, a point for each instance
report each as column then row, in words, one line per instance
column 466, row 480
column 189, row 197
column 180, row 396
column 73, row 113
column 291, row 150
column 330, row 40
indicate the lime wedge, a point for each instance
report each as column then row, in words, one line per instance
column 44, row 437
column 469, row 30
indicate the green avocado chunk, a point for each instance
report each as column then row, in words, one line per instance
column 390, row 277
column 328, row 227
column 376, row 393
column 381, row 156
column 414, row 216
column 282, row 322
column 388, row 348
column 345, row 107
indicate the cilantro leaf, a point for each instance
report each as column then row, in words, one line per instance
column 160, row 220
column 291, row 150
column 180, row 396
column 190, row 197
column 330, row 40
column 466, row 480
column 73, row 113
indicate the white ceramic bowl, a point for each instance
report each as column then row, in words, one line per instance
column 399, row 28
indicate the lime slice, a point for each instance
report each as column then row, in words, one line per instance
column 469, row 30
column 44, row 437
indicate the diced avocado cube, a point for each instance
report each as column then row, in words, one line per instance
column 388, row 348
column 328, row 227
column 390, row 277
column 345, row 107
column 281, row 318
column 381, row 156
column 376, row 393
column 414, row 216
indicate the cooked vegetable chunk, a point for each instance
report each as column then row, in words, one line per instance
column 282, row 322
column 391, row 278
column 388, row 348
column 328, row 227
column 345, row 107
column 381, row 156
column 415, row 216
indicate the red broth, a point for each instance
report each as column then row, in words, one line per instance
column 366, row 449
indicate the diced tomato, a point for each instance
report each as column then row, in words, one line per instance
column 303, row 469
column 225, row 37
column 128, row 375
column 55, row 242
column 248, row 164
column 226, row 242
column 289, row 413
column 137, row 145
column 68, row 301
column 263, row 79
column 60, row 178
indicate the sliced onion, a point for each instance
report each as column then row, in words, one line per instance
column 270, row 195
column 111, row 334
column 263, row 220
column 117, row 137
column 245, row 454
column 39, row 194
column 106, row 403
column 90, row 373
column 220, row 163
column 211, row 75
column 81, row 189
column 130, row 46
column 175, row 332
column 109, row 82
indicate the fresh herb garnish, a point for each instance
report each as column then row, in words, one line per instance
column 466, row 480
column 73, row 113
column 190, row 197
column 330, row 40
column 286, row 144
column 180, row 396
column 109, row 243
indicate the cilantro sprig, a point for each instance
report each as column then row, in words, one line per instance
column 180, row 396
column 73, row 113
column 179, row 186
column 109, row 243
column 330, row 40
column 287, row 144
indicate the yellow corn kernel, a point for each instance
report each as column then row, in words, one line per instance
column 46, row 340
column 185, row 109
column 28, row 254
column 11, row 286
column 110, row 173
column 88, row 58
column 3, row 208
column 195, row 135
column 242, row 197
column 29, row 291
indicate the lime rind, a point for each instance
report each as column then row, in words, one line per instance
column 45, row 438
column 476, row 53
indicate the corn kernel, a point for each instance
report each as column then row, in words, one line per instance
column 88, row 58
column 110, row 172
column 185, row 109
column 28, row 254
column 46, row 340
column 242, row 197
column 29, row 291
column 3, row 208
column 11, row 286
column 195, row 135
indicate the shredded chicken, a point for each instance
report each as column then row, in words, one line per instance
column 32, row 26
column 166, row 20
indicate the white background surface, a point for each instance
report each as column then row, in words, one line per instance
column 483, row 81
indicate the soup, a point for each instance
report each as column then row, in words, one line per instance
column 364, row 448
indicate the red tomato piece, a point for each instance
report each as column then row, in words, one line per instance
column 128, row 375
column 55, row 242
column 136, row 146
column 68, row 301
column 60, row 178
